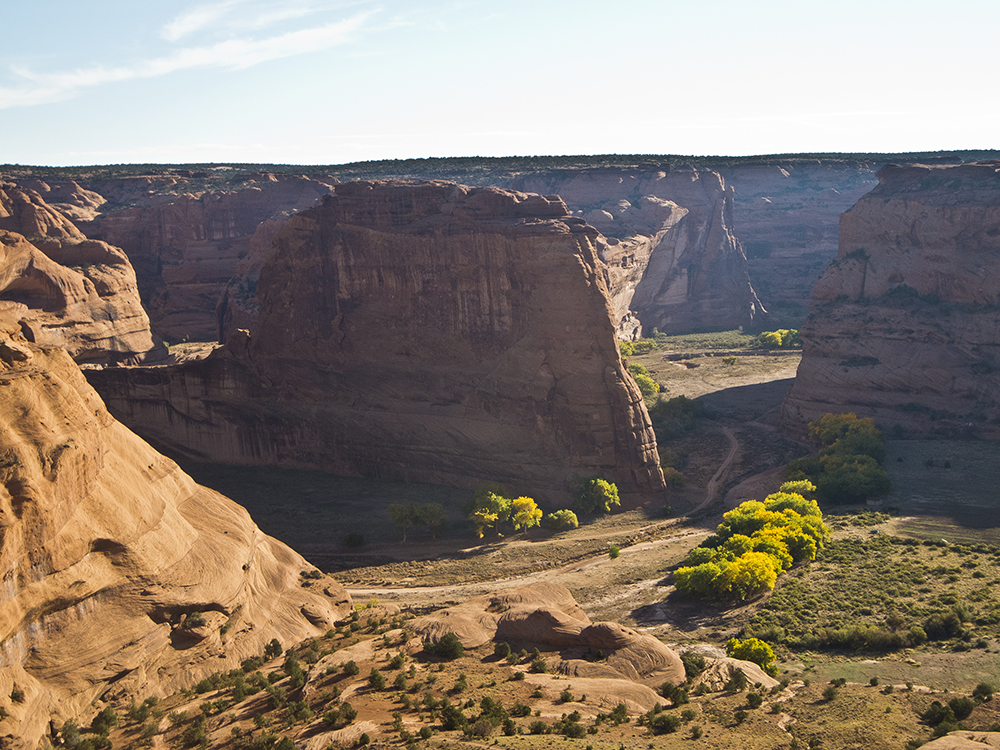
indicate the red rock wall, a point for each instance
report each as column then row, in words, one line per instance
column 420, row 332
column 905, row 326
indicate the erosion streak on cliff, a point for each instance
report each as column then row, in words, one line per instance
column 420, row 332
column 106, row 547
column 905, row 326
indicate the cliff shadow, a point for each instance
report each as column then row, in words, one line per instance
column 757, row 402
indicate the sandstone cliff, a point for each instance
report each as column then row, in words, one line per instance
column 673, row 261
column 106, row 551
column 905, row 326
column 81, row 293
column 185, row 249
column 420, row 332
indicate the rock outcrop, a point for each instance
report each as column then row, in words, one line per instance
column 420, row 332
column 545, row 615
column 118, row 574
column 673, row 261
column 81, row 293
column 905, row 325
column 186, row 248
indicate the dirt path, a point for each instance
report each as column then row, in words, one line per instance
column 712, row 489
column 418, row 595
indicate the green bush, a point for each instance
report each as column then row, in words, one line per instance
column 449, row 647
column 594, row 495
column 561, row 520
column 647, row 386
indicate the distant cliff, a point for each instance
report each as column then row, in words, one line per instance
column 673, row 261
column 185, row 248
column 905, row 325
column 79, row 294
column 107, row 550
column 421, row 332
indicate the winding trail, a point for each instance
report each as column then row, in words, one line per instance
column 712, row 488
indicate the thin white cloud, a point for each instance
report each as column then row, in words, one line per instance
column 196, row 19
column 234, row 54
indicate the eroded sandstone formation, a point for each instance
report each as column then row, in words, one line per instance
column 419, row 332
column 673, row 261
column 546, row 615
column 905, row 325
column 81, row 293
column 108, row 551
column 186, row 248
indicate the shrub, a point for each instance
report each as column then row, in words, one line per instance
column 961, row 707
column 501, row 650
column 566, row 696
column 754, row 700
column 341, row 716
column 753, row 650
column 376, row 679
column 351, row 668
column 449, row 647
column 354, row 539
column 694, row 664
column 538, row 666
column 664, row 723
column 983, row 692
column 614, row 551
column 273, row 649
column 561, row 520
column 539, row 727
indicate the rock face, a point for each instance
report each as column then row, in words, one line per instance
column 107, row 550
column 905, row 326
column 420, row 332
column 545, row 615
column 81, row 293
column 186, row 248
column 786, row 213
column 673, row 261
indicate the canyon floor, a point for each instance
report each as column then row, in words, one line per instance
column 942, row 499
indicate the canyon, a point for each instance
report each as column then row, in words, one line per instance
column 676, row 229
column 417, row 331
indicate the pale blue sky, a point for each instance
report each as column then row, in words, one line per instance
column 332, row 81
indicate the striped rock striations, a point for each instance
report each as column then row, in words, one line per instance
column 79, row 294
column 420, row 332
column 905, row 325
column 107, row 552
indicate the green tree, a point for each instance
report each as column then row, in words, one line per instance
column 490, row 511
column 647, row 386
column 433, row 516
column 403, row 515
column 594, row 495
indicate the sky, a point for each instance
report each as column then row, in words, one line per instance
column 333, row 81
